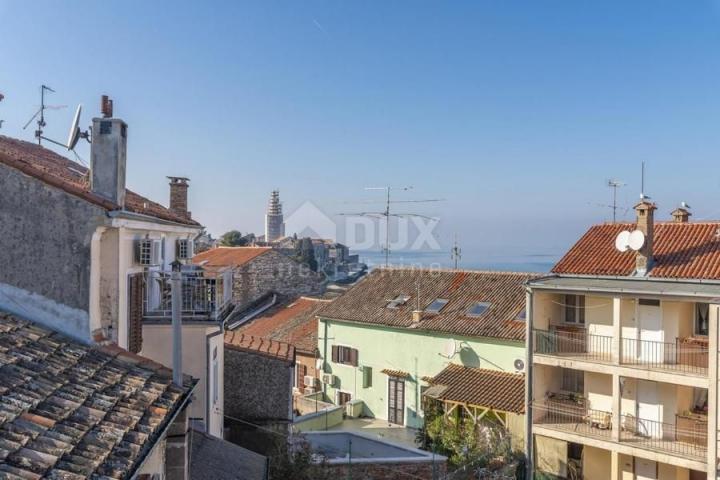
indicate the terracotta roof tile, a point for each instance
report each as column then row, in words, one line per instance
column 71, row 411
column 262, row 346
column 395, row 373
column 294, row 323
column 481, row 387
column 62, row 173
column 367, row 301
column 681, row 250
column 228, row 256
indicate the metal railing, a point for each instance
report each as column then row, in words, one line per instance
column 573, row 343
column 576, row 417
column 205, row 295
column 666, row 437
column 676, row 356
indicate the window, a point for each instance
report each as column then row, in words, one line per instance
column 343, row 398
column 522, row 316
column 144, row 251
column 573, row 381
column 399, row 300
column 575, row 309
column 184, row 249
column 700, row 400
column 702, row 321
column 345, row 355
column 436, row 305
column 478, row 309
column 216, row 377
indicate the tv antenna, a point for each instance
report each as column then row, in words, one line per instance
column 456, row 253
column 41, row 112
column 387, row 213
column 614, row 184
column 642, row 182
column 1, row 99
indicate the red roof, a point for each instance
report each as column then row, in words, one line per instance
column 56, row 170
column 228, row 256
column 262, row 346
column 680, row 250
column 293, row 323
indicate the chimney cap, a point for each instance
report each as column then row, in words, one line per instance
column 106, row 106
column 681, row 214
column 645, row 204
column 178, row 179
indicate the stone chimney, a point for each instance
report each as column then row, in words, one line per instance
column 417, row 316
column 646, row 224
column 178, row 196
column 108, row 155
column 681, row 215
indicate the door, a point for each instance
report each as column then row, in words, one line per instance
column 650, row 332
column 648, row 410
column 645, row 469
column 396, row 401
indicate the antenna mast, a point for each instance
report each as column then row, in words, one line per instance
column 456, row 252
column 41, row 121
column 614, row 184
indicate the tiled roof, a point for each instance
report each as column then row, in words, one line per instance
column 294, row 323
column 481, row 387
column 680, row 250
column 262, row 346
column 212, row 458
column 71, row 411
column 367, row 301
column 395, row 373
column 58, row 171
column 228, row 256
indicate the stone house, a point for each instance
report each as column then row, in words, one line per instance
column 87, row 256
column 259, row 270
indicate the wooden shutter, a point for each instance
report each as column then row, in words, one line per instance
column 336, row 354
column 353, row 357
column 135, row 312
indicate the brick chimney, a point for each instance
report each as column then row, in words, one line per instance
column 646, row 224
column 681, row 215
column 108, row 155
column 178, row 196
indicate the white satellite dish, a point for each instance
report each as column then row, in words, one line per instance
column 637, row 240
column 450, row 348
column 75, row 133
column 622, row 241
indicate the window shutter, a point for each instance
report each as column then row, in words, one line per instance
column 190, row 249
column 135, row 313
column 336, row 354
column 354, row 357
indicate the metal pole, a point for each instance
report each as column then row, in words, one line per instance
column 387, row 228
column 176, row 289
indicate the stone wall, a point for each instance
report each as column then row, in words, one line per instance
column 273, row 271
column 389, row 471
column 257, row 387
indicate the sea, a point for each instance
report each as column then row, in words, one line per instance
column 540, row 263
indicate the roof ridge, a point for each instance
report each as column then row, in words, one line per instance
column 453, row 270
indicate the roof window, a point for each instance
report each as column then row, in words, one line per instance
column 477, row 309
column 398, row 301
column 436, row 305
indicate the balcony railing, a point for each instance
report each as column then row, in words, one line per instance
column 683, row 356
column 572, row 417
column 573, row 344
column 677, row 356
column 205, row 295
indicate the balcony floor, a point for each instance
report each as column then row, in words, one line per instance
column 677, row 368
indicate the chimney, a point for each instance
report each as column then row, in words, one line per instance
column 108, row 155
column 646, row 224
column 681, row 215
column 178, row 196
column 417, row 316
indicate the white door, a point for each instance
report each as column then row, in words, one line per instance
column 649, row 410
column 645, row 469
column 650, row 332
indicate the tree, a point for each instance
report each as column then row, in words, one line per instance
column 294, row 459
column 233, row 238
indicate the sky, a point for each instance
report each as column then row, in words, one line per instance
column 515, row 113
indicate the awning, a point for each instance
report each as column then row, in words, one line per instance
column 395, row 373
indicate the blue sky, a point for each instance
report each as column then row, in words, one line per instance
column 515, row 112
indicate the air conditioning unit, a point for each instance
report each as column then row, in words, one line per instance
column 519, row 364
column 309, row 381
column 308, row 391
column 328, row 379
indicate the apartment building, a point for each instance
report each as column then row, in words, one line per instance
column 622, row 349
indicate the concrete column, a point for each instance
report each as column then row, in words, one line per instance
column 616, row 407
column 529, row 314
column 617, row 332
column 614, row 465
column 176, row 449
column 712, row 434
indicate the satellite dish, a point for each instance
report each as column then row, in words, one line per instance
column 74, row 135
column 450, row 348
column 637, row 240
column 519, row 364
column 622, row 241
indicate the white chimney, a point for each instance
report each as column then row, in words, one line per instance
column 108, row 154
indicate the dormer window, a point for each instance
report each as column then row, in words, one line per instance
column 436, row 305
column 398, row 301
column 478, row 309
column 522, row 316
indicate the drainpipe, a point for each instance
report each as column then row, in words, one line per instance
column 176, row 289
column 325, row 362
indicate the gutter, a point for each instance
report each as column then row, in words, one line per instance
column 162, row 433
column 125, row 214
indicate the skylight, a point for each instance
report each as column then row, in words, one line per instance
column 522, row 316
column 399, row 300
column 436, row 305
column 478, row 309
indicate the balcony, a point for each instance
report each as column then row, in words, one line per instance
column 687, row 437
column 687, row 356
column 206, row 295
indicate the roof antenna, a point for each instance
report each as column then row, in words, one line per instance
column 1, row 99
column 41, row 121
column 614, row 184
column 456, row 253
column 642, row 183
